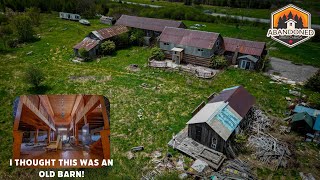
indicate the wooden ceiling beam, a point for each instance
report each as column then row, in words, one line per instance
column 46, row 103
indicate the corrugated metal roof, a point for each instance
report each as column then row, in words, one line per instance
column 317, row 124
column 310, row 111
column 220, row 117
column 244, row 46
column 303, row 117
column 87, row 43
column 238, row 98
column 110, row 32
column 186, row 37
column 148, row 23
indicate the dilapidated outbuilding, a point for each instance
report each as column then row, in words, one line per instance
column 244, row 53
column 107, row 20
column 151, row 26
column 190, row 46
column 218, row 121
column 69, row 16
column 302, row 123
column 92, row 42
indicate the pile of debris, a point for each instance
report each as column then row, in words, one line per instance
column 258, row 121
column 280, row 80
column 270, row 150
column 235, row 169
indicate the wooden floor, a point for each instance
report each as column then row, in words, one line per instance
column 80, row 154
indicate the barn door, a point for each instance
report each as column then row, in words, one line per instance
column 198, row 133
column 214, row 142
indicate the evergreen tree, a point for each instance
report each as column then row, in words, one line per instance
column 290, row 16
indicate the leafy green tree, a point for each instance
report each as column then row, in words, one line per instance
column 23, row 27
column 157, row 54
column 313, row 82
column 121, row 41
column 136, row 37
column 108, row 47
column 219, row 62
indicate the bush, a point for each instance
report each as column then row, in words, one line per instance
column 219, row 62
column 121, row 41
column 314, row 82
column 13, row 43
column 84, row 53
column 108, row 47
column 157, row 54
column 34, row 15
column 34, row 76
column 136, row 37
column 24, row 29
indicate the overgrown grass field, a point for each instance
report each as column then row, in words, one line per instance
column 165, row 101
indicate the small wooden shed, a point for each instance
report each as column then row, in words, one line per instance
column 248, row 62
column 69, row 16
column 216, row 124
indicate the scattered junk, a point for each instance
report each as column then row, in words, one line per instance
column 234, row 169
column 107, row 20
column 199, row 165
column 302, row 123
column 305, row 176
column 295, row 93
column 133, row 67
column 270, row 150
column 84, row 22
column 136, row 149
column 199, row 71
column 210, row 132
column 69, row 16
column 280, row 80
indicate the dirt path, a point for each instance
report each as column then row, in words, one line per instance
column 291, row 71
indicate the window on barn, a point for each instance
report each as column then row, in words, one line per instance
column 200, row 50
column 167, row 44
column 198, row 133
column 218, row 43
column 214, row 143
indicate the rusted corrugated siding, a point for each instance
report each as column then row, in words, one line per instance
column 244, row 46
column 112, row 31
column 147, row 23
column 193, row 38
column 87, row 43
column 238, row 98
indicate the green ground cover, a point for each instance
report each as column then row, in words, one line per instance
column 166, row 102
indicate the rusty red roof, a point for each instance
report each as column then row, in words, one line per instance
column 244, row 46
column 148, row 23
column 238, row 98
column 87, row 43
column 194, row 38
column 109, row 32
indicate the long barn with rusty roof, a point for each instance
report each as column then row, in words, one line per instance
column 190, row 46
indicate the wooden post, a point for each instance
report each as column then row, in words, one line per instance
column 104, row 113
column 17, row 140
column 48, row 136
column 77, row 134
column 104, row 134
column 36, row 134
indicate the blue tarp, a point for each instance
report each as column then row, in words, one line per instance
column 228, row 119
column 317, row 124
column 310, row 111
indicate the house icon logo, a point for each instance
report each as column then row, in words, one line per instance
column 290, row 26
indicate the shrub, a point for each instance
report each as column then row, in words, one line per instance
column 219, row 62
column 13, row 43
column 121, row 41
column 314, row 82
column 136, row 37
column 34, row 76
column 23, row 26
column 157, row 54
column 108, row 47
column 34, row 15
column 84, row 53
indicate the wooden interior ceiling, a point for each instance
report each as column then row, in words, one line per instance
column 62, row 106
column 94, row 118
column 30, row 122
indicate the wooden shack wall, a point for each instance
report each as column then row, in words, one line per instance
column 207, row 134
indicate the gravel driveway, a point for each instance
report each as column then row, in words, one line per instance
column 299, row 73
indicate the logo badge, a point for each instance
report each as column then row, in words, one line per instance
column 290, row 26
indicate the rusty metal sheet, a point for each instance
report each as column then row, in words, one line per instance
column 112, row 31
column 244, row 46
column 87, row 43
column 186, row 37
column 152, row 24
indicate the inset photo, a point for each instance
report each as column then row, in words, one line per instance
column 55, row 127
